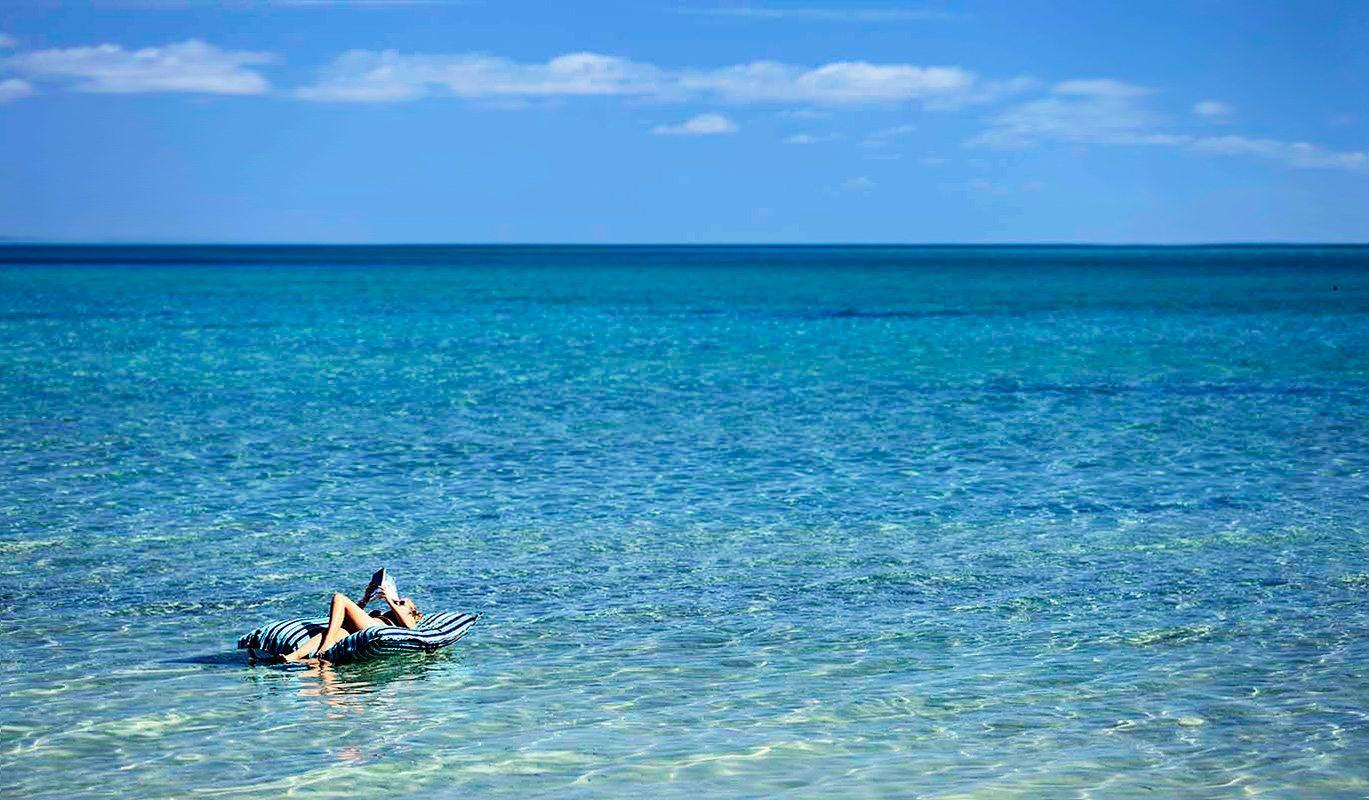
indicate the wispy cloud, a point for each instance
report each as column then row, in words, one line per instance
column 804, row 113
column 1297, row 154
column 1101, row 87
column 1079, row 118
column 807, row 138
column 14, row 89
column 860, row 183
column 7, row 41
column 884, row 136
column 991, row 91
column 1214, row 110
column 388, row 76
column 1113, row 113
column 833, row 84
column 822, row 13
column 189, row 66
column 702, row 125
column 837, row 83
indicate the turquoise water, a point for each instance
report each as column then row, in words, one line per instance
column 743, row 522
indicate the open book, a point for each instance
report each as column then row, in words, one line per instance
column 380, row 585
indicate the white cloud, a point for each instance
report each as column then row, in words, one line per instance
column 882, row 137
column 1113, row 113
column 837, row 83
column 1297, row 154
column 7, row 41
column 990, row 91
column 702, row 125
column 1101, row 87
column 1080, row 118
column 822, row 14
column 812, row 138
column 894, row 132
column 1214, row 110
column 370, row 76
column 1092, row 111
column 858, row 184
column 14, row 89
column 189, row 66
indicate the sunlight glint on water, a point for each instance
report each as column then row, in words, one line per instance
column 795, row 522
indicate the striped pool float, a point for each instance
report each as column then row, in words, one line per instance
column 286, row 636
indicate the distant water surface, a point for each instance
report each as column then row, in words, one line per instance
column 743, row 522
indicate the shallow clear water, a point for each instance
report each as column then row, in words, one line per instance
column 793, row 522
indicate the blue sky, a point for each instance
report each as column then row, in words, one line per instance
column 653, row 121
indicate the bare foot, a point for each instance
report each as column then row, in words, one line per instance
column 301, row 658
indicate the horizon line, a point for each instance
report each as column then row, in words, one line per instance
column 7, row 243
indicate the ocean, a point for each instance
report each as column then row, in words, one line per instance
column 801, row 522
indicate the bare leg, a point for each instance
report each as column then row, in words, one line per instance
column 344, row 617
column 306, row 649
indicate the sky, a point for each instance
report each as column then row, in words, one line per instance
column 659, row 121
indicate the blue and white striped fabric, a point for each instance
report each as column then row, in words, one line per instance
column 286, row 636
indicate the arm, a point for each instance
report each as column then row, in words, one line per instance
column 401, row 610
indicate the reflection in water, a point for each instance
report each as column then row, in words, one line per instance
column 1027, row 523
column 349, row 686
